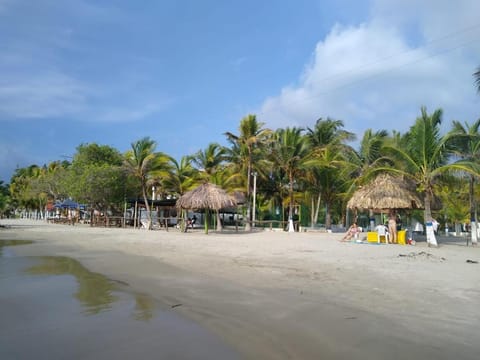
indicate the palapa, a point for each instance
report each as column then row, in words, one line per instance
column 386, row 192
column 206, row 196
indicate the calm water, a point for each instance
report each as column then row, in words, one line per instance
column 54, row 308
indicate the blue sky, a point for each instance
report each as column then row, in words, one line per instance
column 185, row 72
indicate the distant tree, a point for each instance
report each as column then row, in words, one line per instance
column 326, row 141
column 4, row 198
column 94, row 154
column 364, row 162
column 477, row 79
column 182, row 176
column 288, row 153
column 210, row 160
column 252, row 136
column 21, row 190
column 144, row 163
column 211, row 163
column 424, row 156
column 466, row 138
column 96, row 176
column 328, row 132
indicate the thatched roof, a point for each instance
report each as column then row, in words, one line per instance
column 386, row 192
column 206, row 196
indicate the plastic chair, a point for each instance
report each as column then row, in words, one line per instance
column 382, row 231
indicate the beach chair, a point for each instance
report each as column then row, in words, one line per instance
column 382, row 232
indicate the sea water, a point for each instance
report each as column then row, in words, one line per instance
column 54, row 308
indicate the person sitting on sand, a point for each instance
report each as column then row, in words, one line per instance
column 352, row 231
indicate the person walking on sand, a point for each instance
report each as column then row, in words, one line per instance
column 352, row 231
column 392, row 228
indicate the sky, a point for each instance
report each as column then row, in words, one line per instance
column 184, row 72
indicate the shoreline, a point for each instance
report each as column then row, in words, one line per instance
column 284, row 295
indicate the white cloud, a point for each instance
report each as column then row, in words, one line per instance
column 375, row 75
column 49, row 94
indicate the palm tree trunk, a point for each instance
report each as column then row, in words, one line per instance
column 431, row 239
column 206, row 221
column 473, row 218
column 317, row 210
column 312, row 213
column 290, row 191
column 328, row 217
column 248, row 225
column 147, row 206
column 372, row 219
column 219, row 221
column 290, row 207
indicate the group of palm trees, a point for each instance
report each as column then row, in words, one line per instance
column 316, row 168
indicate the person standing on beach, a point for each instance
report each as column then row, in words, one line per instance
column 392, row 227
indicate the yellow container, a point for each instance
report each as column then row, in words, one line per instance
column 372, row 236
column 401, row 237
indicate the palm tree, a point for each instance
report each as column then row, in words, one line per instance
column 326, row 139
column 288, row 153
column 424, row 157
column 467, row 147
column 476, row 75
column 252, row 136
column 328, row 132
column 182, row 176
column 326, row 164
column 210, row 164
column 364, row 161
column 23, row 186
column 210, row 160
column 142, row 162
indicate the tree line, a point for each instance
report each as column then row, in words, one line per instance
column 316, row 168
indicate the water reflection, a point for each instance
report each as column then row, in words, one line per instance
column 144, row 306
column 5, row 243
column 95, row 292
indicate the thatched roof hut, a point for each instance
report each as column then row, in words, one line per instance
column 206, row 196
column 386, row 192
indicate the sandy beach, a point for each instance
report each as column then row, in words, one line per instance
column 277, row 295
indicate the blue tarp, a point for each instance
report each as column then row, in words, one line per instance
column 69, row 204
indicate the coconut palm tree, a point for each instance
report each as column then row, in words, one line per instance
column 364, row 161
column 252, row 136
column 326, row 139
column 210, row 160
column 288, row 153
column 182, row 176
column 424, row 155
column 328, row 132
column 210, row 163
column 143, row 163
column 467, row 146
column 327, row 164
column 476, row 75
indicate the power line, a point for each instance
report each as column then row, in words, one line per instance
column 392, row 56
column 381, row 73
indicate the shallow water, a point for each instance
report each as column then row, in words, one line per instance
column 54, row 308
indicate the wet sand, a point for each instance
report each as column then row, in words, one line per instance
column 276, row 295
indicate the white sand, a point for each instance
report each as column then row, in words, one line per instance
column 291, row 295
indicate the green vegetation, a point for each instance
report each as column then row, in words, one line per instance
column 298, row 172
